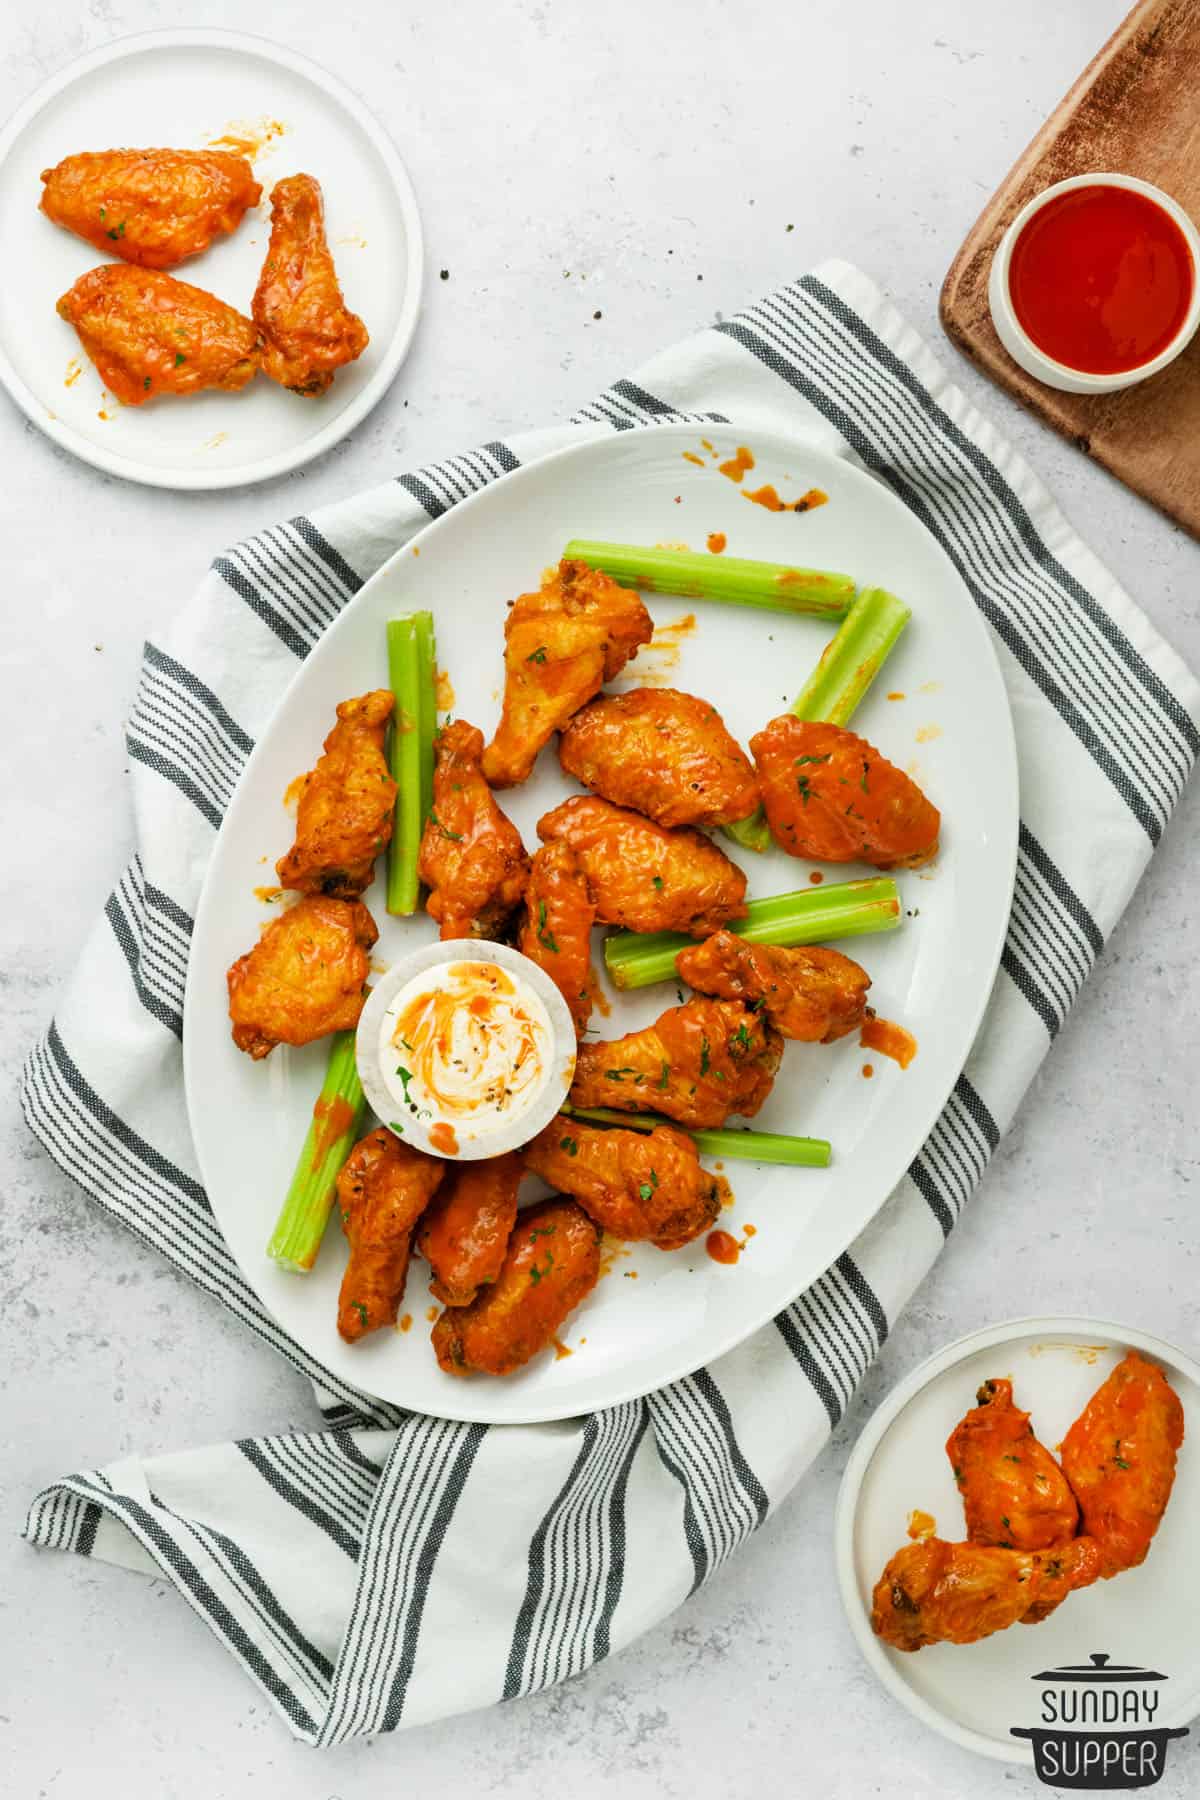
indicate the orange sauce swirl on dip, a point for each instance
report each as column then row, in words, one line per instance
column 467, row 1046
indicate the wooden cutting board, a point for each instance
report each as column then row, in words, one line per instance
column 1135, row 109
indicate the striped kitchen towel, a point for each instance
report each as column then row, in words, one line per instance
column 393, row 1568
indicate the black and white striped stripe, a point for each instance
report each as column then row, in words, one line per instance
column 723, row 1499
column 835, row 1331
column 576, row 1558
column 439, row 486
column 626, row 404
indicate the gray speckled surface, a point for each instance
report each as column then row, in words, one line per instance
column 542, row 138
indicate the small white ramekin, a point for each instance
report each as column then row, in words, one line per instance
column 472, row 1146
column 1020, row 345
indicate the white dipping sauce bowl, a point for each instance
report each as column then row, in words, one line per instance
column 1020, row 345
column 493, row 1133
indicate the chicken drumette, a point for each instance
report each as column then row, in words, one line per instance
column 1119, row 1457
column 551, row 1264
column 345, row 814
column 308, row 330
column 663, row 753
column 635, row 1185
column 149, row 334
column 304, row 978
column 644, row 877
column 560, row 645
column 465, row 1232
column 807, row 993
column 383, row 1189
column 472, row 858
column 557, row 926
column 933, row 1592
column 831, row 796
column 1014, row 1494
column 697, row 1063
column 150, row 207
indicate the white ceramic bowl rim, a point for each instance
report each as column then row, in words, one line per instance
column 1171, row 206
column 559, row 1075
column 846, row 1512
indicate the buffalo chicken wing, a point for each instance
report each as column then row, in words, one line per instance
column 557, row 927
column 304, row 978
column 933, row 1592
column 561, row 643
column 831, row 796
column 663, row 753
column 150, row 207
column 633, row 1184
column 344, row 818
column 472, row 858
column 383, row 1189
column 551, row 1264
column 807, row 993
column 149, row 334
column 1013, row 1492
column 465, row 1232
column 698, row 1063
column 308, row 330
column 1119, row 1457
column 644, row 877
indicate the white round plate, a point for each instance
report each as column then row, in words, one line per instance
column 183, row 89
column 974, row 1693
column 934, row 974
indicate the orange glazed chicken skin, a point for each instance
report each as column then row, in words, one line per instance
column 383, row 1189
column 633, row 1184
column 557, row 927
column 831, row 796
column 149, row 334
column 697, row 1063
column 150, row 207
column 1119, row 1457
column 560, row 645
column 308, row 330
column 1013, row 1492
column 304, row 978
column 809, row 994
column 344, row 818
column 551, row 1264
column 933, row 1592
column 464, row 1234
column 472, row 858
column 663, row 753
column 644, row 877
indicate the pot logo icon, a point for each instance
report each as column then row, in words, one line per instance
column 1099, row 1726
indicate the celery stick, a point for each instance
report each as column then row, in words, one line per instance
column 410, row 670
column 744, row 1144
column 733, row 580
column 852, row 658
column 809, row 916
column 336, row 1121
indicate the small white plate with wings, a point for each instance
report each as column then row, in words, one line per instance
column 653, row 1316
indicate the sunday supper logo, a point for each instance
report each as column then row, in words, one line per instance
column 1099, row 1726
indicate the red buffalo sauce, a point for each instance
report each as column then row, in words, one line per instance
column 889, row 1039
column 722, row 1247
column 442, row 1137
column 332, row 1119
column 1101, row 279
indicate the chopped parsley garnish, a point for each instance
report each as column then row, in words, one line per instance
column 1005, row 1522
column 545, row 937
column 146, row 384
column 396, row 1126
column 179, row 358
column 569, row 1145
column 357, row 1305
column 866, row 771
column 658, row 881
column 645, row 1191
column 538, row 655
column 740, row 1040
column 704, row 1056
column 406, row 1077
column 665, row 1077
column 803, row 788
column 801, row 760
column 620, row 1074
column 1120, row 1462
column 119, row 232
column 454, row 836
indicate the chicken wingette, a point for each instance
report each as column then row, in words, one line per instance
column 345, row 812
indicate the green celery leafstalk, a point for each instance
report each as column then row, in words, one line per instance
column 732, row 580
column 745, row 1145
column 852, row 658
column 808, row 916
column 411, row 650
column 336, row 1121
